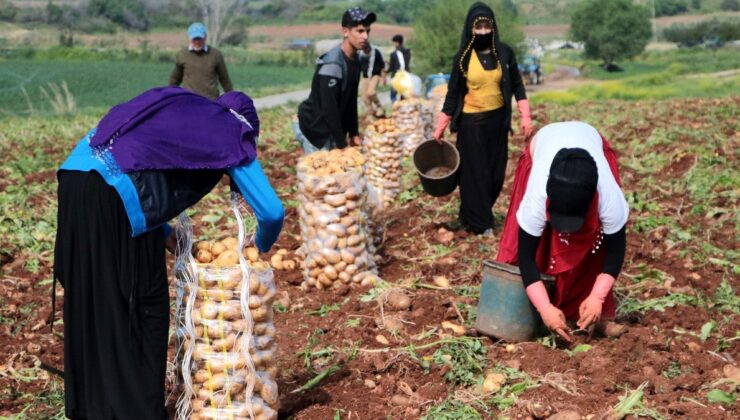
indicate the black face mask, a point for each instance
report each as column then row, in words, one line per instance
column 483, row 42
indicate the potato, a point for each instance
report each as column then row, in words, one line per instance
column 335, row 200
column 330, row 272
column 276, row 261
column 227, row 258
column 209, row 310
column 347, row 256
column 203, row 245
column 253, row 254
column 397, row 300
column 218, row 248
column 204, row 256
column 230, row 310
column 342, row 243
column 215, row 294
column 354, row 240
column 332, row 256
column 224, row 344
column 230, row 243
column 260, row 314
column 201, row 376
column 255, row 302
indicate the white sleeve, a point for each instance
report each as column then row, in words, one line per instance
column 531, row 214
column 613, row 207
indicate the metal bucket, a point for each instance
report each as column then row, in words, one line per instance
column 504, row 310
column 437, row 165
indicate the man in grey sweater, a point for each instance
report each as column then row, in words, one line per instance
column 200, row 67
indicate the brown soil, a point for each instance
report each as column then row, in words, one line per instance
column 678, row 367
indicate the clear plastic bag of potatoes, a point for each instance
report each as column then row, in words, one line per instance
column 333, row 218
column 407, row 118
column 383, row 147
column 227, row 353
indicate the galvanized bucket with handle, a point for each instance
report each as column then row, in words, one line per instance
column 504, row 310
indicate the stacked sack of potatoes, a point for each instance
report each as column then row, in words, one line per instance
column 407, row 117
column 228, row 354
column 384, row 150
column 334, row 223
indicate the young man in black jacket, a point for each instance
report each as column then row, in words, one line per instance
column 400, row 60
column 330, row 112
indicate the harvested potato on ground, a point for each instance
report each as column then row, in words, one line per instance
column 397, row 300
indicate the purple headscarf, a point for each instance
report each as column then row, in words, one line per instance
column 173, row 128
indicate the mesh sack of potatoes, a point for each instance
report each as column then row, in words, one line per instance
column 334, row 223
column 437, row 96
column 383, row 148
column 228, row 350
column 426, row 114
column 407, row 117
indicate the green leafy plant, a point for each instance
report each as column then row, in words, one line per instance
column 632, row 404
column 718, row 396
column 452, row 409
column 466, row 358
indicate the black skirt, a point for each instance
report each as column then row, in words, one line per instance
column 482, row 141
column 116, row 309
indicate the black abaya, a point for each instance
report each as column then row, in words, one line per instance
column 116, row 309
column 482, row 141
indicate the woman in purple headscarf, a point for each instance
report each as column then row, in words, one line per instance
column 148, row 160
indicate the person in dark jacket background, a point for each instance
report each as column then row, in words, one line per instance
column 330, row 112
column 400, row 59
column 478, row 106
column 200, row 67
column 147, row 161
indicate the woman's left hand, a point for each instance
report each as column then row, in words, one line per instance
column 589, row 311
column 525, row 117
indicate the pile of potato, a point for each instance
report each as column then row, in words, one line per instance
column 220, row 358
column 384, row 150
column 334, row 224
column 407, row 116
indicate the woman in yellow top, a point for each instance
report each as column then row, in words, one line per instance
column 478, row 104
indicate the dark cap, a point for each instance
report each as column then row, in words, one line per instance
column 570, row 188
column 356, row 16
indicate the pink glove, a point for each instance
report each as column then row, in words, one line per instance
column 443, row 120
column 525, row 118
column 552, row 317
column 590, row 309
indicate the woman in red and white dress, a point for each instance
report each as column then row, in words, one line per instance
column 567, row 218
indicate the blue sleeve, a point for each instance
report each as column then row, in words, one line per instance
column 257, row 191
column 166, row 230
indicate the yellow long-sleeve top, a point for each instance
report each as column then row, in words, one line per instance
column 484, row 87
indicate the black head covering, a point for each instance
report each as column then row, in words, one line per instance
column 477, row 11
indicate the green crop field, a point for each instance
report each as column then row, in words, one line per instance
column 106, row 83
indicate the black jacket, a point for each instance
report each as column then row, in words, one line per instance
column 395, row 65
column 378, row 64
column 331, row 108
column 511, row 80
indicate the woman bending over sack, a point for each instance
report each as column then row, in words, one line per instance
column 478, row 107
column 148, row 160
column 567, row 218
